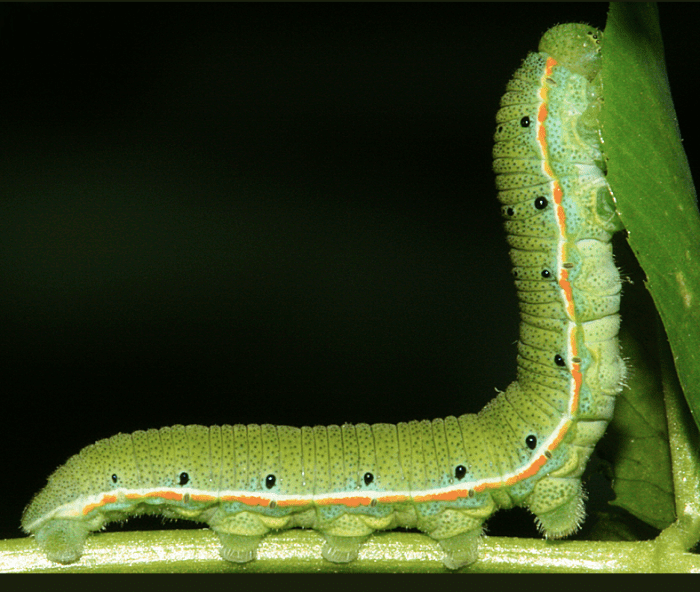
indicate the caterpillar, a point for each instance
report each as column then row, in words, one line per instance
column 528, row 447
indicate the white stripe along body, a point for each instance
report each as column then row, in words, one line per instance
column 528, row 447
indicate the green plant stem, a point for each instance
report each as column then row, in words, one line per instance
column 300, row 551
column 684, row 533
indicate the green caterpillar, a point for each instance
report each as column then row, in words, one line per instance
column 528, row 447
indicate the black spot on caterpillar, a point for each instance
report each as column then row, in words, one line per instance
column 446, row 476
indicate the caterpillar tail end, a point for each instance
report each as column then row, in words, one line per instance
column 62, row 540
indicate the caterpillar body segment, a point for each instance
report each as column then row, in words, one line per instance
column 528, row 447
column 244, row 481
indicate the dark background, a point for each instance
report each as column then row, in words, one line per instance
column 257, row 213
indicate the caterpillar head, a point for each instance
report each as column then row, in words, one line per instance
column 576, row 46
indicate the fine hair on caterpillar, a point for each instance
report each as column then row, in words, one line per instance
column 528, row 447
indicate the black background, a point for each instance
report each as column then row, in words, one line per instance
column 257, row 213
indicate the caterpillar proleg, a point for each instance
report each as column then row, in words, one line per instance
column 528, row 447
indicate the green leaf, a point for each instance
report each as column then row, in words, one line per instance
column 650, row 177
column 643, row 478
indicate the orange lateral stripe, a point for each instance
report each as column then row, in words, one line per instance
column 444, row 496
column 106, row 499
column 167, row 495
column 203, row 497
column 350, row 502
column 254, row 500
column 578, row 383
column 529, row 471
column 90, row 507
column 294, row 502
column 558, row 198
column 392, row 499
column 568, row 290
